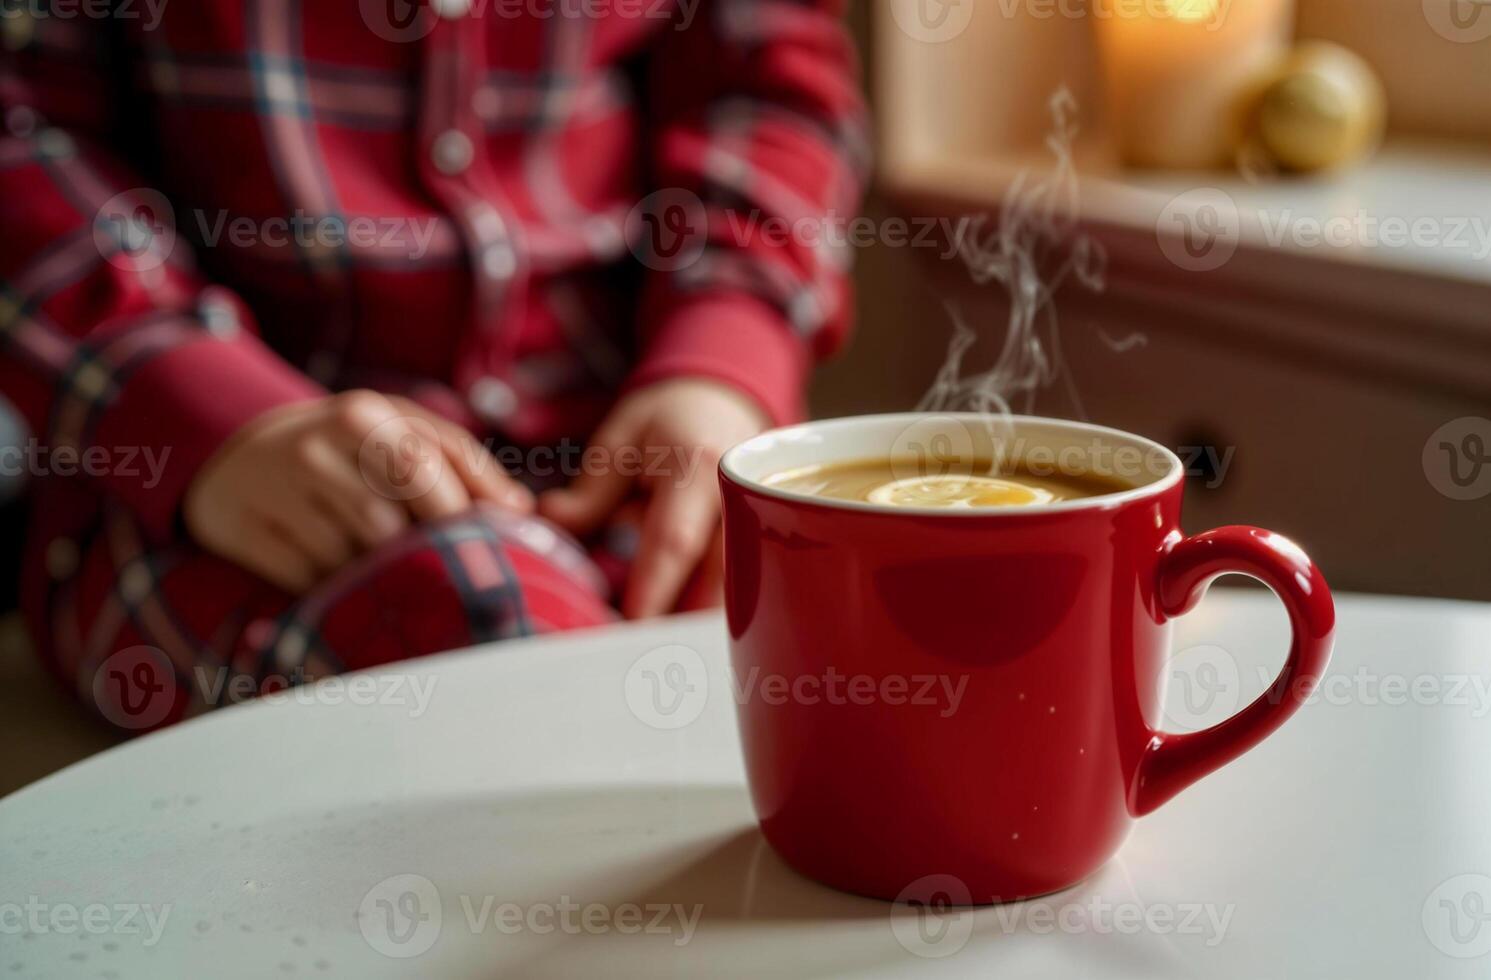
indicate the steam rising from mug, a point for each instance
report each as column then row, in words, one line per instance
column 1031, row 252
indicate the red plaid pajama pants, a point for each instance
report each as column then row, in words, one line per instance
column 148, row 633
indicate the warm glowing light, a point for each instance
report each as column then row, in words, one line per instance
column 1192, row 11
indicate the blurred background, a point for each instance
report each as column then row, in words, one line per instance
column 1328, row 320
column 1294, row 199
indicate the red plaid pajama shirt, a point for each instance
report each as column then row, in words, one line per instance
column 215, row 207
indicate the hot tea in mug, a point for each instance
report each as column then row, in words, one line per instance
column 1034, row 567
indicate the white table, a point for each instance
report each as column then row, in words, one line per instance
column 531, row 819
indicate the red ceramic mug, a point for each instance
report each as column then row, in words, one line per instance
column 931, row 695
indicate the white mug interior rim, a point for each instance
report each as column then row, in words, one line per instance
column 776, row 451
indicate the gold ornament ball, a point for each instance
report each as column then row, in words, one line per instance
column 1325, row 108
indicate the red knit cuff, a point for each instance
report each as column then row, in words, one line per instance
column 731, row 337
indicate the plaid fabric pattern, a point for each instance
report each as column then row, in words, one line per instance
column 147, row 636
column 181, row 183
column 492, row 152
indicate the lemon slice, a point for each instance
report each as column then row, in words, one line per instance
column 956, row 490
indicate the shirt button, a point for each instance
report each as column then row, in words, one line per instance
column 492, row 400
column 217, row 314
column 54, row 143
column 135, row 582
column 452, row 152
column 21, row 121
column 486, row 103
column 322, row 366
column 452, row 9
column 289, row 652
column 497, row 262
column 90, row 381
column 62, row 558
column 221, row 327
column 17, row 28
column 486, row 222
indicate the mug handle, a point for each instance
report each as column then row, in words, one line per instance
column 1174, row 760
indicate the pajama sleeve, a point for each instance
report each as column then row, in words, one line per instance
column 109, row 340
column 757, row 119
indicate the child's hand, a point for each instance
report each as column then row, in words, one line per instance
column 302, row 489
column 693, row 421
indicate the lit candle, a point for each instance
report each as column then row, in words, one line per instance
column 1177, row 73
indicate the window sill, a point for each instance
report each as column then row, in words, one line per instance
column 1382, row 266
